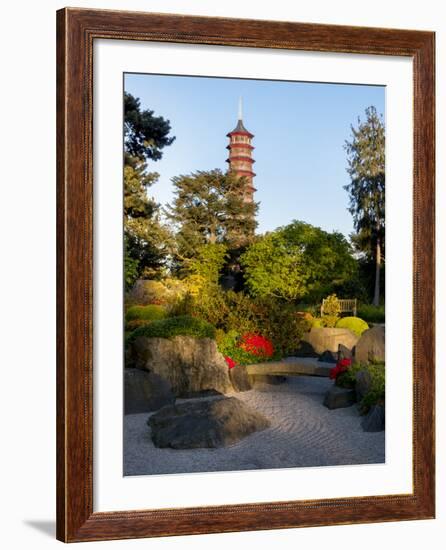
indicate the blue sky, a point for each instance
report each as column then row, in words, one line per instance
column 299, row 128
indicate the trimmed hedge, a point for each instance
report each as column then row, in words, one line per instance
column 151, row 312
column 355, row 324
column 372, row 314
column 175, row 326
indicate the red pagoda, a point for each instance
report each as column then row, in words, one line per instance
column 240, row 155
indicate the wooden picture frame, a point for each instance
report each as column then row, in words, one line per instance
column 77, row 29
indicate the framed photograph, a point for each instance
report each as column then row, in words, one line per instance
column 245, row 275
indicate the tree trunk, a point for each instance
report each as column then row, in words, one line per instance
column 377, row 274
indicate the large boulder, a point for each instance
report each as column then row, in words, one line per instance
column 145, row 391
column 339, row 398
column 205, row 423
column 329, row 339
column 189, row 364
column 371, row 346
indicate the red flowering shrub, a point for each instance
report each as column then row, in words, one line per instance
column 230, row 362
column 257, row 345
column 341, row 367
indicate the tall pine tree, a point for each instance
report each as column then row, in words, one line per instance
column 366, row 168
column 146, row 239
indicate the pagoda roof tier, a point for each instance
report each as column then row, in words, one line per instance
column 241, row 145
column 247, row 173
column 240, row 130
column 237, row 157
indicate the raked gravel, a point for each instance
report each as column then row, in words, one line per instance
column 303, row 433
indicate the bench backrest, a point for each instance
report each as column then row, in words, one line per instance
column 347, row 306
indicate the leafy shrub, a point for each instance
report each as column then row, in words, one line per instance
column 346, row 378
column 175, row 326
column 147, row 313
column 377, row 393
column 330, row 321
column 281, row 323
column 317, row 322
column 332, row 307
column 372, row 314
column 244, row 350
column 355, row 324
column 133, row 324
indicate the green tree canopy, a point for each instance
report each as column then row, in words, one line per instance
column 366, row 168
column 298, row 261
column 145, row 135
column 209, row 208
column 146, row 240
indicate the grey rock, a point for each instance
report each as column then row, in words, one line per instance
column 375, row 420
column 239, row 378
column 344, row 352
column 338, row 398
column 371, row 346
column 145, row 392
column 188, row 364
column 206, row 423
column 363, row 384
column 328, row 357
column 322, row 339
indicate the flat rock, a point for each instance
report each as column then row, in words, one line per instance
column 206, row 423
column 375, row 420
column 145, row 392
column 338, row 398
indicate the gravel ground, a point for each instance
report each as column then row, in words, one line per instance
column 303, row 433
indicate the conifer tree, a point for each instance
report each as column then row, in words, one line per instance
column 366, row 168
column 209, row 207
column 146, row 239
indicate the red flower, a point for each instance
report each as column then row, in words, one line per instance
column 230, row 362
column 257, row 345
column 341, row 366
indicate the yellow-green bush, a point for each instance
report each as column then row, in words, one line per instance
column 355, row 324
column 151, row 312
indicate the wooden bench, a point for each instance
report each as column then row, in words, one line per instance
column 347, row 306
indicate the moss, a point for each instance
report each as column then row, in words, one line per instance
column 151, row 312
column 355, row 324
column 175, row 326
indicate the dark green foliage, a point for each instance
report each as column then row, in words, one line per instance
column 151, row 312
column 236, row 312
column 175, row 326
column 298, row 261
column 376, row 394
column 146, row 239
column 366, row 168
column 355, row 324
column 145, row 135
column 372, row 314
column 209, row 208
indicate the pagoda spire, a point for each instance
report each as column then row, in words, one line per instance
column 240, row 108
